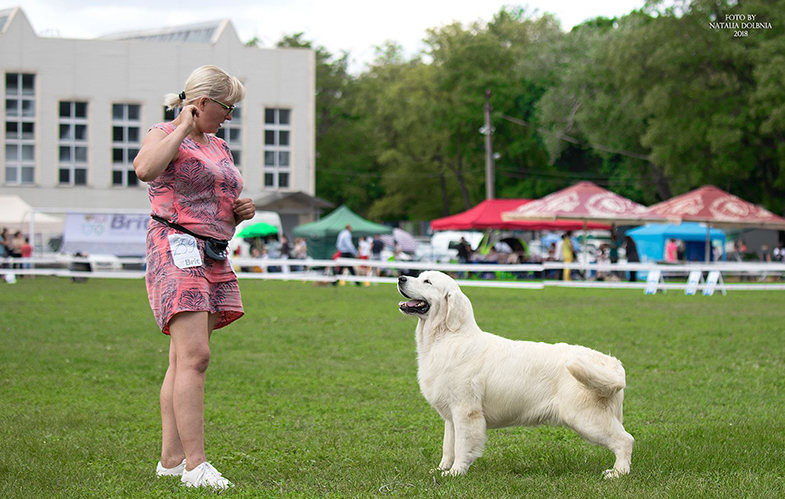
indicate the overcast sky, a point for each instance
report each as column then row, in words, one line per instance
column 353, row 25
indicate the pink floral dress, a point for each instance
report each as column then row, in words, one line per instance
column 196, row 191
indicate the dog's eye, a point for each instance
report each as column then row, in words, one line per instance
column 427, row 281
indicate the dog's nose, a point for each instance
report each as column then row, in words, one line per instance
column 402, row 279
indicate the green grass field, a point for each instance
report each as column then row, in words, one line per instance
column 314, row 394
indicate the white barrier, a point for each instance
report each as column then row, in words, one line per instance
column 59, row 266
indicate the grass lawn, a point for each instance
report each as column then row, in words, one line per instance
column 314, row 394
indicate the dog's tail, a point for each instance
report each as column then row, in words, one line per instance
column 602, row 375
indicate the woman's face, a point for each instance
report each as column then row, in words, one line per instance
column 214, row 113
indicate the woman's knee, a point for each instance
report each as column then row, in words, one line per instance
column 190, row 341
column 196, row 358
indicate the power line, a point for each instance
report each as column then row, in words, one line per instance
column 573, row 140
column 604, row 181
column 349, row 173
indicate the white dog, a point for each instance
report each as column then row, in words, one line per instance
column 477, row 380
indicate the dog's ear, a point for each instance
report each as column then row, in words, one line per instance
column 458, row 310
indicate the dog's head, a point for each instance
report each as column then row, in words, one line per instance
column 434, row 296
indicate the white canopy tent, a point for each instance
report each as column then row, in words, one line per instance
column 16, row 214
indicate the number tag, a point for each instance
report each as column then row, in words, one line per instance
column 185, row 251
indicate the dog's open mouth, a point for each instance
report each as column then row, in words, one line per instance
column 414, row 306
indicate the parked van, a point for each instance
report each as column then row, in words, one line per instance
column 444, row 243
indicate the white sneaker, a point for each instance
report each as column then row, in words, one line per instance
column 176, row 471
column 205, row 475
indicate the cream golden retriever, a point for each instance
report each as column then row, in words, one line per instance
column 476, row 380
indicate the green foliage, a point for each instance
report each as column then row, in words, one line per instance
column 651, row 105
column 314, row 394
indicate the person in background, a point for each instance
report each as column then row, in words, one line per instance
column 16, row 247
column 464, row 254
column 671, row 251
column 346, row 248
column 613, row 251
column 377, row 245
column 5, row 244
column 285, row 251
column 194, row 189
column 603, row 258
column 364, row 253
column 27, row 252
column 300, row 251
column 765, row 254
column 567, row 254
column 464, row 251
column 300, row 248
column 632, row 256
column 778, row 255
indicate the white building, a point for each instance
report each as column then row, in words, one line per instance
column 76, row 111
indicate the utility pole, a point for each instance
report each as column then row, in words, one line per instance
column 487, row 130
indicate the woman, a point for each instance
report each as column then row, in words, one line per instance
column 194, row 189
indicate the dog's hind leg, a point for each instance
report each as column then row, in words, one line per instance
column 448, row 448
column 469, row 425
column 606, row 430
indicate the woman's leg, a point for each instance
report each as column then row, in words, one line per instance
column 172, row 453
column 190, row 332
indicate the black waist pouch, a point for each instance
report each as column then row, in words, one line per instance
column 215, row 249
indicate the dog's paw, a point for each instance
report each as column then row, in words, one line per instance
column 613, row 473
column 454, row 472
column 444, row 466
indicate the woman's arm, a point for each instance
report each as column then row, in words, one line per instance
column 160, row 149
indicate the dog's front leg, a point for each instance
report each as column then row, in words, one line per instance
column 448, row 447
column 469, row 427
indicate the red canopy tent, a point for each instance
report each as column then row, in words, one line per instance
column 716, row 208
column 585, row 202
column 488, row 215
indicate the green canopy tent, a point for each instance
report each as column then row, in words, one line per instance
column 321, row 236
column 260, row 229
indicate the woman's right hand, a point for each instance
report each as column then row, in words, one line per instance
column 187, row 117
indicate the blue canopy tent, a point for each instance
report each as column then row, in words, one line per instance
column 650, row 240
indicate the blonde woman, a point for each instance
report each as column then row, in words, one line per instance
column 194, row 191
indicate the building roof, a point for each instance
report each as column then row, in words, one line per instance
column 206, row 32
column 5, row 15
column 268, row 200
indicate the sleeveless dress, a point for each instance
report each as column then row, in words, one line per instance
column 196, row 191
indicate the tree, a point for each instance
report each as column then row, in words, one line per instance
column 345, row 156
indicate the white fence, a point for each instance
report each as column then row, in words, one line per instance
column 521, row 276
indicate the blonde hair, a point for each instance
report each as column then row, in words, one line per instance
column 208, row 81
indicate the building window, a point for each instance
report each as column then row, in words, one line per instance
column 73, row 143
column 232, row 132
column 171, row 114
column 277, row 147
column 126, row 139
column 19, row 128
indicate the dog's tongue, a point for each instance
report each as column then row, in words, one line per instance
column 411, row 303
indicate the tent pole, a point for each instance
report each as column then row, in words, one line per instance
column 32, row 229
column 708, row 242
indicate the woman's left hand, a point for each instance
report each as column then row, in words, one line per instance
column 244, row 209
